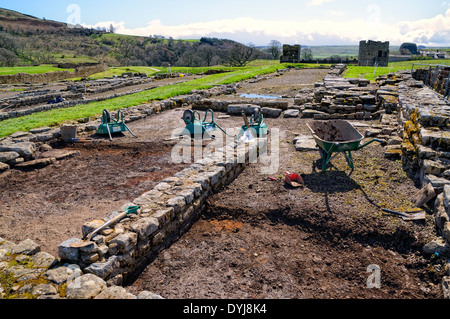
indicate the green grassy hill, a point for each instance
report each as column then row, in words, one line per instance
column 27, row 40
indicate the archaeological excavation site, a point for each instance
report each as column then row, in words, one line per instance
column 296, row 184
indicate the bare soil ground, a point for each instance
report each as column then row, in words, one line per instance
column 49, row 205
column 288, row 84
column 263, row 239
column 257, row 238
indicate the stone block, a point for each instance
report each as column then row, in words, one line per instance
column 437, row 245
column 178, row 203
column 66, row 252
column 85, row 287
column 188, row 194
column 43, row 260
column 291, row 113
column 145, row 227
column 6, row 157
column 24, row 149
column 426, row 152
column 64, row 273
column 103, row 270
column 37, row 163
column 433, row 167
column 271, row 112
column 305, row 143
column 237, row 109
column 126, row 241
column 26, row 247
column 115, row 292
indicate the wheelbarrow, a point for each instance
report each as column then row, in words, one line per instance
column 255, row 127
column 198, row 129
column 110, row 125
column 337, row 136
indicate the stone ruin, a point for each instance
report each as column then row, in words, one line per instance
column 291, row 54
column 371, row 52
column 413, row 119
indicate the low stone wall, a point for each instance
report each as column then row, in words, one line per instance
column 96, row 270
column 20, row 148
column 74, row 91
column 115, row 254
column 426, row 147
column 165, row 212
column 435, row 77
column 52, row 76
column 64, row 104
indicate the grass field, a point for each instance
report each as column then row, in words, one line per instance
column 30, row 69
column 58, row 116
column 119, row 70
column 367, row 72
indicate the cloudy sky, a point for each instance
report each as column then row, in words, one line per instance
column 306, row 22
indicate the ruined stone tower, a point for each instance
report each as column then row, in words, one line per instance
column 371, row 52
column 291, row 54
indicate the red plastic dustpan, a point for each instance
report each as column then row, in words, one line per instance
column 294, row 180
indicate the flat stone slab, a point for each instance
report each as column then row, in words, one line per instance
column 291, row 113
column 60, row 154
column 304, row 143
column 42, row 162
column 237, row 109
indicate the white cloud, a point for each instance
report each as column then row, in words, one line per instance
column 336, row 13
column 432, row 30
column 317, row 2
column 435, row 30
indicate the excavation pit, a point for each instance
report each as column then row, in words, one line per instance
column 256, row 237
column 259, row 238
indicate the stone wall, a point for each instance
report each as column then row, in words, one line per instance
column 98, row 269
column 52, row 76
column 350, row 98
column 371, row 52
column 436, row 77
column 165, row 212
column 71, row 99
column 291, row 54
column 20, row 148
column 426, row 147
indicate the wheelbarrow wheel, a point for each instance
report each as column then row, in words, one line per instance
column 188, row 116
column 107, row 116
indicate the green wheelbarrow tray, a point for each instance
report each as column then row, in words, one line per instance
column 110, row 125
column 196, row 128
column 337, row 136
column 257, row 126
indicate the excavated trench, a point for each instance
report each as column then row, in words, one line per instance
column 50, row 204
column 256, row 237
column 259, row 238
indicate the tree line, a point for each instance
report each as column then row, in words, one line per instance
column 46, row 46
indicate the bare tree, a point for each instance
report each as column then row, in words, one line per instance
column 206, row 53
column 7, row 58
column 275, row 49
column 239, row 55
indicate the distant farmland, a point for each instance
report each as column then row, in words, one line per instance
column 351, row 51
